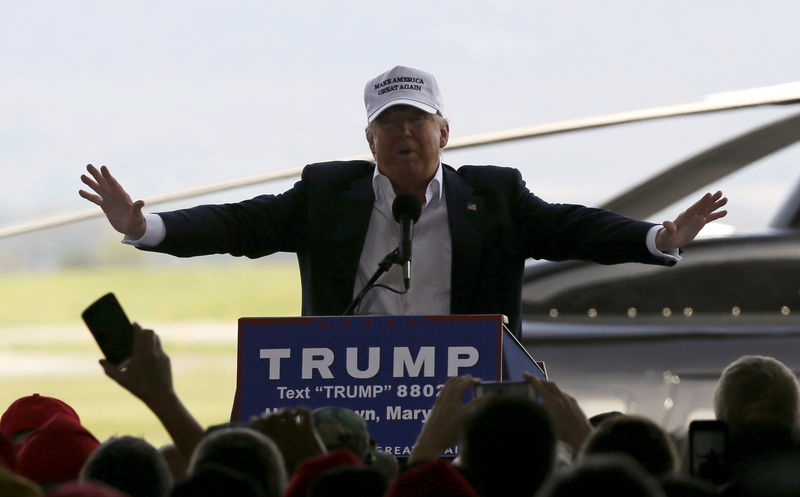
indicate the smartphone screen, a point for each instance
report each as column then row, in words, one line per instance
column 110, row 327
column 505, row 388
column 708, row 450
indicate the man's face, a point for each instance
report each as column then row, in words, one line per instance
column 406, row 142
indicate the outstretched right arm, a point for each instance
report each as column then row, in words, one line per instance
column 124, row 215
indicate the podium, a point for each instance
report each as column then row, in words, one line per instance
column 386, row 368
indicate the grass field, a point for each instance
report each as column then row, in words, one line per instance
column 182, row 292
column 45, row 348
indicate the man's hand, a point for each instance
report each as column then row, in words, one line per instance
column 443, row 426
column 684, row 229
column 147, row 374
column 568, row 418
column 123, row 214
column 293, row 432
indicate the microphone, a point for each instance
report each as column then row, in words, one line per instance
column 406, row 210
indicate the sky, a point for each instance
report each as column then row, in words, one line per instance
column 174, row 94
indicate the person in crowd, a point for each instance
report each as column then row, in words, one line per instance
column 758, row 394
column 131, row 465
column 43, row 440
column 570, row 422
column 508, row 447
column 55, row 452
column 650, row 446
column 476, row 227
column 507, row 444
column 307, row 471
column 339, row 427
column 293, row 431
column 759, row 399
column 638, row 437
column 148, row 376
column 607, row 474
column 244, row 450
column 27, row 414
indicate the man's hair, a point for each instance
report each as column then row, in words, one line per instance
column 130, row 465
column 608, row 474
column 246, row 451
column 508, row 447
column 639, row 438
column 757, row 390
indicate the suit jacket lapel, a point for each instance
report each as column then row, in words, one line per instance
column 353, row 210
column 465, row 216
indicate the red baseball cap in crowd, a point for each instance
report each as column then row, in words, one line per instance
column 56, row 452
column 32, row 412
column 432, row 479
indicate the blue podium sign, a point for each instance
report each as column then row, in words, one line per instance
column 387, row 368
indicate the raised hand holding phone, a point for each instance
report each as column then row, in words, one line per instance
column 111, row 328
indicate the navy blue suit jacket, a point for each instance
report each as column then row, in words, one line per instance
column 495, row 224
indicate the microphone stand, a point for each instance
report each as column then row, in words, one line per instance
column 383, row 266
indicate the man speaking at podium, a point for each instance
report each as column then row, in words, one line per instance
column 477, row 224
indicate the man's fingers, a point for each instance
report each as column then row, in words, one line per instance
column 90, row 183
column 543, row 388
column 455, row 387
column 95, row 173
column 463, row 383
column 712, row 203
column 110, row 370
column 716, row 215
column 108, row 177
column 139, row 341
column 709, row 203
column 719, row 203
column 95, row 199
column 701, row 204
column 151, row 343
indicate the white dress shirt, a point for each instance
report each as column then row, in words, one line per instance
column 431, row 254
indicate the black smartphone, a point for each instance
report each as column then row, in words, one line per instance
column 110, row 327
column 708, row 450
column 505, row 388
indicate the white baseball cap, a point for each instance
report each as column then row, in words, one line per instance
column 402, row 86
